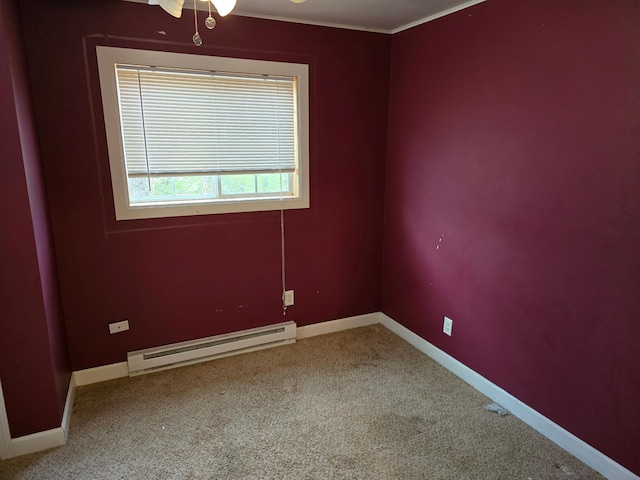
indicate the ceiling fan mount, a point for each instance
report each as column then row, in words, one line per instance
column 224, row 8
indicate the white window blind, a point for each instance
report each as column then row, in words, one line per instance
column 178, row 123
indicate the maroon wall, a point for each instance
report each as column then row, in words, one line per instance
column 513, row 204
column 184, row 278
column 33, row 354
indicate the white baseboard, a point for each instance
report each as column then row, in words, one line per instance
column 37, row 442
column 5, row 436
column 120, row 370
column 68, row 408
column 101, row 374
column 337, row 325
column 554, row 432
column 56, row 437
column 566, row 440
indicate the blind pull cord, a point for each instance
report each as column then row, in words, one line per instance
column 144, row 133
column 282, row 252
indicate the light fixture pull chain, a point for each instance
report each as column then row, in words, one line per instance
column 210, row 22
column 196, row 36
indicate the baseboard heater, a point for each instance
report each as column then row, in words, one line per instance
column 203, row 349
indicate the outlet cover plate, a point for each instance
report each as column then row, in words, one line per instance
column 118, row 327
column 288, row 298
column 448, row 326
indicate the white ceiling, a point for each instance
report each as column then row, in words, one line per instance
column 376, row 15
column 386, row 16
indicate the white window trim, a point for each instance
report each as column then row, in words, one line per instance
column 109, row 56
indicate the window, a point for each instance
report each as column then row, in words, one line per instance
column 194, row 134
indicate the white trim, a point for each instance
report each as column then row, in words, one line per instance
column 5, row 435
column 435, row 16
column 121, row 370
column 101, row 374
column 337, row 325
column 56, row 437
column 554, row 432
column 566, row 440
column 109, row 56
column 37, row 442
column 68, row 407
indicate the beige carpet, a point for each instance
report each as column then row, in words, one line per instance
column 360, row 404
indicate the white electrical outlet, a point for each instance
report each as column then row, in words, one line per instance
column 448, row 326
column 288, row 298
column 118, row 327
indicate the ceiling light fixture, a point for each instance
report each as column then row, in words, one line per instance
column 174, row 7
column 224, row 8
